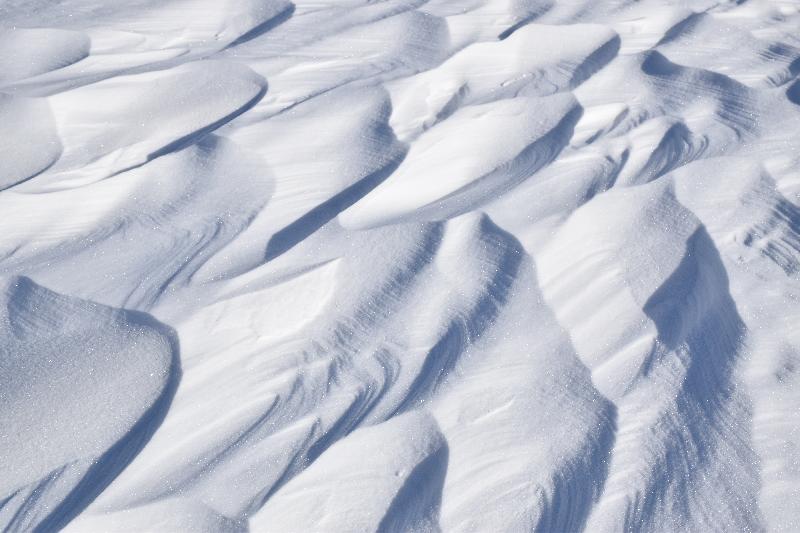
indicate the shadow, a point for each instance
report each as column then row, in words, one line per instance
column 264, row 27
column 793, row 93
column 197, row 135
column 506, row 176
column 416, row 505
column 288, row 237
column 681, row 28
column 699, row 326
column 696, row 288
column 656, row 64
column 541, row 10
column 678, row 146
column 596, row 61
column 578, row 482
column 678, row 84
column 577, row 487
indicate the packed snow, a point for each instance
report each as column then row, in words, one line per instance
column 400, row 265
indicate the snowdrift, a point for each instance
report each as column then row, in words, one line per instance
column 399, row 265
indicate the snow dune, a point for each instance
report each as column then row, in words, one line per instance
column 83, row 387
column 405, row 265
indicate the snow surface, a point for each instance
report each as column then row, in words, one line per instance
column 399, row 265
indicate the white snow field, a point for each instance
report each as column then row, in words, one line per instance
column 400, row 265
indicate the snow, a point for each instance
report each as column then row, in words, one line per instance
column 407, row 265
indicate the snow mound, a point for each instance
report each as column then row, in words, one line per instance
column 400, row 467
column 26, row 151
column 83, row 387
column 34, row 51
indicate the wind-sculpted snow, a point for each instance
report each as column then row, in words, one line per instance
column 83, row 387
column 399, row 265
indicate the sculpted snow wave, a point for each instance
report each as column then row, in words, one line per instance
column 101, row 378
column 408, row 265
column 505, row 142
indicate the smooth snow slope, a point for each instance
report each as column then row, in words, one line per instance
column 400, row 265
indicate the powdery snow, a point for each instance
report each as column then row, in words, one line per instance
column 405, row 265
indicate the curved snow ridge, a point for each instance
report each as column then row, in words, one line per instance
column 702, row 422
column 482, row 288
column 319, row 385
column 500, row 400
column 164, row 112
column 102, row 378
column 96, row 42
column 659, row 146
column 387, row 48
column 672, row 326
column 178, row 192
column 628, row 279
column 31, row 52
column 400, row 467
column 489, row 71
column 760, row 223
column 519, row 136
column 705, row 41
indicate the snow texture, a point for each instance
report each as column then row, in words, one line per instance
column 400, row 265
